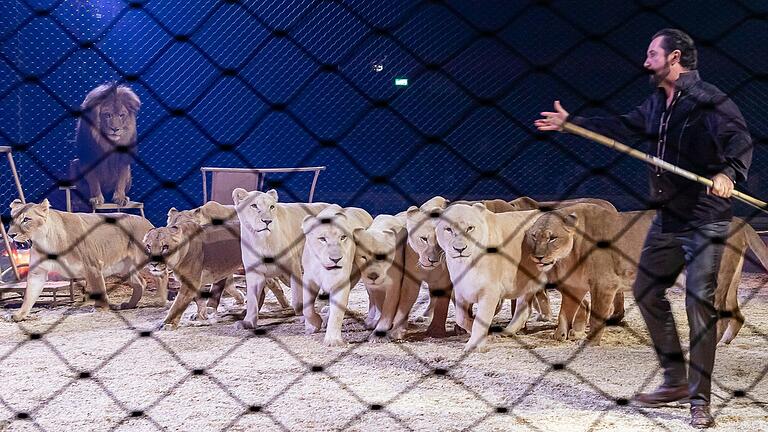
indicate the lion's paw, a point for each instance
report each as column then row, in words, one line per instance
column 334, row 341
column 245, row 325
column 479, row 347
column 97, row 200
column 559, row 334
column 370, row 323
column 166, row 326
column 120, row 200
column 576, row 335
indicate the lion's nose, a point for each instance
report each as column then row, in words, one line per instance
column 114, row 129
column 335, row 260
column 459, row 250
column 432, row 261
column 267, row 222
column 373, row 276
column 12, row 235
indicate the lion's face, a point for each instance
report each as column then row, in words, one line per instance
column 462, row 231
column 111, row 112
column 176, row 217
column 116, row 122
column 550, row 238
column 329, row 240
column 420, row 223
column 27, row 219
column 374, row 254
column 256, row 209
column 162, row 247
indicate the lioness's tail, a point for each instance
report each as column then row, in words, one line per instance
column 757, row 246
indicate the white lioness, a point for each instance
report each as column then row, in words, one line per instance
column 380, row 255
column 483, row 252
column 272, row 242
column 81, row 245
column 197, row 255
column 214, row 213
column 329, row 265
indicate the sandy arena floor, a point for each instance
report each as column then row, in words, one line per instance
column 95, row 372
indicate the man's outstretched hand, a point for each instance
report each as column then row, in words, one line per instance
column 552, row 121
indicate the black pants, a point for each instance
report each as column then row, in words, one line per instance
column 662, row 260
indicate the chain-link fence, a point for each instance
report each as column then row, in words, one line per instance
column 307, row 83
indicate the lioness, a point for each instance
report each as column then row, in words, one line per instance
column 272, row 242
column 380, row 255
column 424, row 263
column 106, row 141
column 329, row 265
column 79, row 245
column 483, row 253
column 197, row 255
column 564, row 244
column 209, row 213
column 628, row 232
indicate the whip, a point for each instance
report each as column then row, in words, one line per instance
column 653, row 160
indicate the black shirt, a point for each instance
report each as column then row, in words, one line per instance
column 701, row 131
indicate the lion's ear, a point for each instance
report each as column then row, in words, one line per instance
column 480, row 206
column 307, row 224
column 16, row 203
column 172, row 211
column 273, row 194
column 412, row 211
column 45, row 204
column 356, row 234
column 570, row 221
column 238, row 195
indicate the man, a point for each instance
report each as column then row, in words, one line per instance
column 694, row 125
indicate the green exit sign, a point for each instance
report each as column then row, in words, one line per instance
column 401, row 82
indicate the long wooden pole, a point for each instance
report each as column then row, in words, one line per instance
column 653, row 160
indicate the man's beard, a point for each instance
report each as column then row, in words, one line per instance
column 656, row 78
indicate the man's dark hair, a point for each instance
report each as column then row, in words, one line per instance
column 675, row 39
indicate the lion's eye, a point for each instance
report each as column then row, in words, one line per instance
column 551, row 239
column 255, row 206
column 322, row 239
column 363, row 258
column 26, row 219
column 272, row 207
column 424, row 239
column 470, row 228
column 122, row 115
column 165, row 248
column 448, row 229
column 342, row 238
column 149, row 249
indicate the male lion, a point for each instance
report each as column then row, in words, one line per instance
column 106, row 141
column 81, row 245
column 380, row 255
column 483, row 252
column 272, row 242
column 329, row 265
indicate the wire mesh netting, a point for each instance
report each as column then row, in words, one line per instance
column 244, row 84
